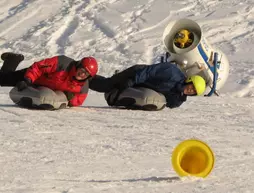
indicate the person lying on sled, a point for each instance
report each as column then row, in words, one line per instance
column 148, row 87
column 59, row 73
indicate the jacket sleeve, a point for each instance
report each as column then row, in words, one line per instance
column 161, row 71
column 175, row 100
column 77, row 99
column 166, row 73
column 48, row 65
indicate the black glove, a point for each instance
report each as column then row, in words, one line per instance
column 24, row 84
column 69, row 104
column 69, row 95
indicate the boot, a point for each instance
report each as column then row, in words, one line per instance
column 11, row 61
column 12, row 56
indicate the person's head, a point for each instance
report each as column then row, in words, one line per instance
column 196, row 85
column 87, row 67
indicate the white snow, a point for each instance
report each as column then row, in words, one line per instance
column 95, row 148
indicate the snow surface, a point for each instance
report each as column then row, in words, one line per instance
column 95, row 148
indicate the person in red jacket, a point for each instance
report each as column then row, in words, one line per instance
column 57, row 73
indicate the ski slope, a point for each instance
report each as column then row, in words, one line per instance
column 95, row 148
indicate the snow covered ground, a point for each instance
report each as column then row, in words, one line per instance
column 99, row 149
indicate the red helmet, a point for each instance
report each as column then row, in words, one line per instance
column 90, row 64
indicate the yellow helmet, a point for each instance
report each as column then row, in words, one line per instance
column 198, row 82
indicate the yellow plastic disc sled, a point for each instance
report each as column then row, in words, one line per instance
column 193, row 158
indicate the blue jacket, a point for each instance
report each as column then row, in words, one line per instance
column 165, row 78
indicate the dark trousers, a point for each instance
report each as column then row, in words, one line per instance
column 103, row 84
column 12, row 78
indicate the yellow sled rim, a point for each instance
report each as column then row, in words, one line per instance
column 193, row 158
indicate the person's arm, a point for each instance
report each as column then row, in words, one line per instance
column 47, row 65
column 164, row 72
column 174, row 105
column 77, row 99
column 175, row 100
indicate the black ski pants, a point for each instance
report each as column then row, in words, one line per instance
column 103, row 84
column 12, row 78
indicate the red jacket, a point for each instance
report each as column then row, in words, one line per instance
column 58, row 73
